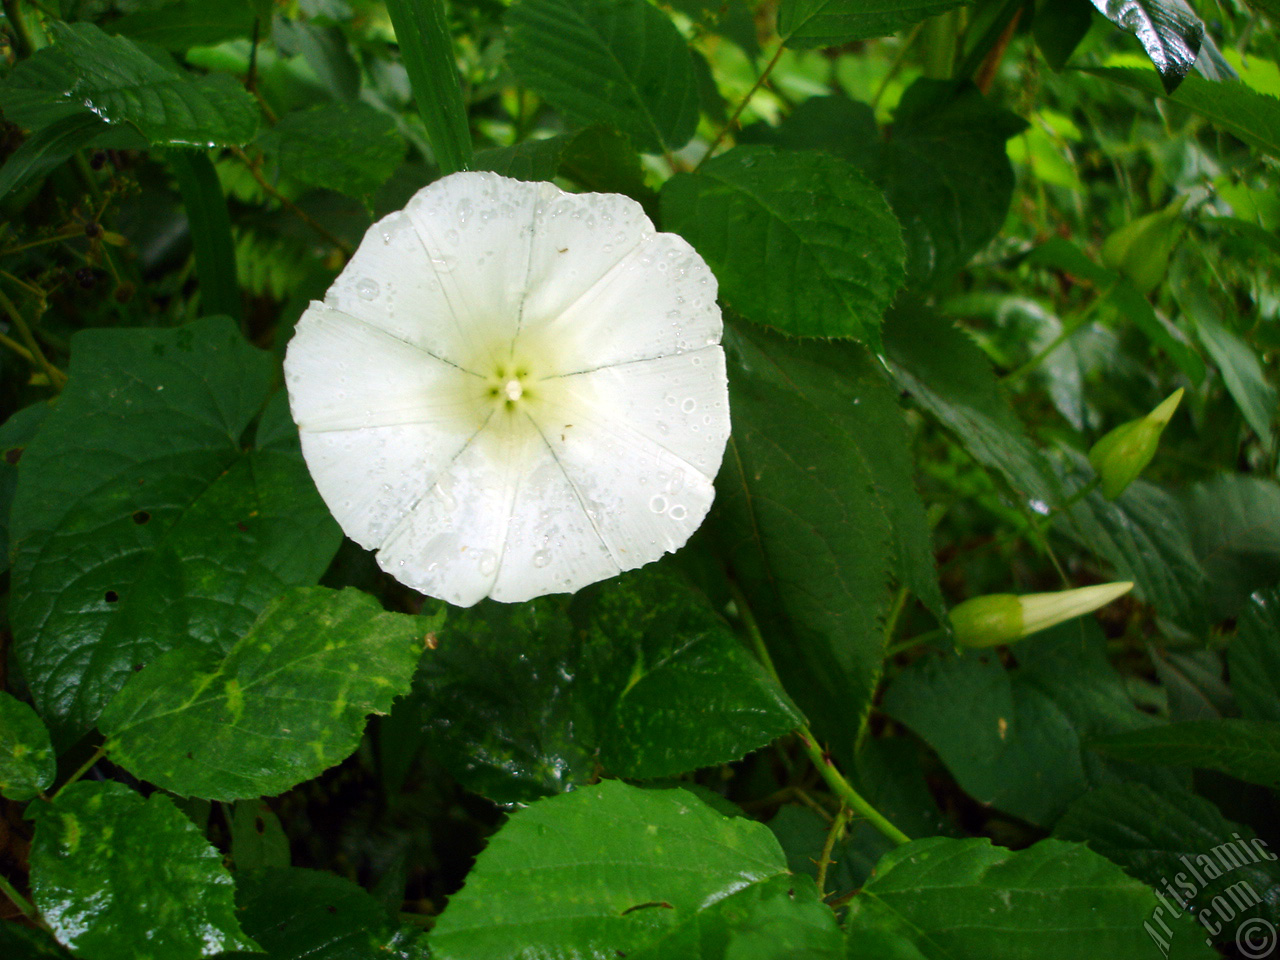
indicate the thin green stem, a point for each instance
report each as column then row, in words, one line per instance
column 289, row 205
column 23, row 45
column 57, row 379
column 912, row 642
column 729, row 124
column 1069, row 329
column 84, row 768
column 834, row 834
column 24, row 906
column 895, row 67
column 841, row 787
column 19, row 349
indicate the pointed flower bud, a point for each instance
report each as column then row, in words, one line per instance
column 1004, row 617
column 1125, row 452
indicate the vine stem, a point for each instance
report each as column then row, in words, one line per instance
column 742, row 105
column 25, row 907
column 842, row 788
column 57, row 379
column 84, row 768
column 824, row 860
column 290, row 205
column 23, row 44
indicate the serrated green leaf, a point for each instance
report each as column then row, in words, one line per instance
column 88, row 71
column 117, row 877
column 799, row 513
column 781, row 918
column 1016, row 739
column 46, row 149
column 946, row 373
column 612, row 688
column 287, row 702
column 943, row 899
column 946, row 173
column 27, row 763
column 348, row 147
column 498, row 699
column 1145, row 536
column 1234, row 521
column 1169, row 30
column 1233, row 105
column 297, row 914
column 604, row 869
column 652, row 651
column 596, row 158
column 810, row 222
column 188, row 23
column 142, row 521
column 616, row 62
column 1247, row 749
column 257, row 838
column 1176, row 838
column 1254, row 658
column 829, row 23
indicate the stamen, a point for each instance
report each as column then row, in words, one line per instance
column 514, row 390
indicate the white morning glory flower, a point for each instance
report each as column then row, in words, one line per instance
column 512, row 390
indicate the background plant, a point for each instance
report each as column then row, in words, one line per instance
column 957, row 245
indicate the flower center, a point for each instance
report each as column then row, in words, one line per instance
column 514, row 390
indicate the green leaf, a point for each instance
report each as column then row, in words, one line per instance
column 29, row 943
column 829, row 23
column 613, row 687
column 88, row 71
column 1235, row 529
column 257, row 838
column 606, row 869
column 427, row 50
column 117, row 877
column 617, row 62
column 946, row 173
column 1145, row 536
column 498, row 698
column 15, row 434
column 297, row 914
column 810, row 222
column 803, row 520
column 27, row 763
column 1254, row 658
column 210, row 226
column 948, row 375
column 143, row 522
column 781, row 918
column 943, row 899
column 47, row 148
column 1243, row 374
column 1233, row 105
column 286, row 703
column 1169, row 30
column 1015, row 739
column 348, row 147
column 652, row 650
column 188, row 23
column 1176, row 842
column 1246, row 749
column 1059, row 27
column 596, row 158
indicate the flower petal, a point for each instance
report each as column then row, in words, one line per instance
column 388, row 284
column 477, row 229
column 658, row 300
column 450, row 544
column 645, row 500
column 343, row 373
column 680, row 402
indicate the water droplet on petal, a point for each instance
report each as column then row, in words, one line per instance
column 487, row 560
column 658, row 504
column 367, row 289
column 689, row 405
column 677, row 512
column 541, row 558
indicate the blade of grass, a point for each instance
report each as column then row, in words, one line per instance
column 427, row 50
column 210, row 232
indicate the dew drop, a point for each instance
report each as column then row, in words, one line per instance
column 541, row 558
column 367, row 289
column 658, row 504
column 487, row 560
column 689, row 405
column 452, row 236
column 677, row 512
